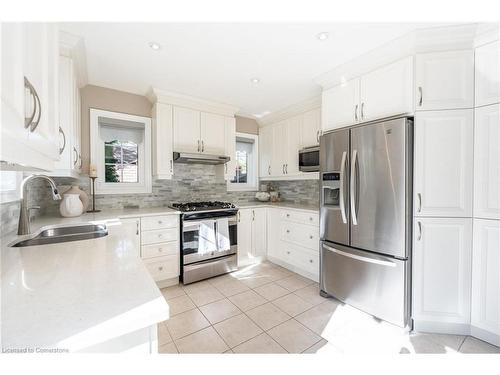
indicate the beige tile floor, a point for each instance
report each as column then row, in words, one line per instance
column 267, row 309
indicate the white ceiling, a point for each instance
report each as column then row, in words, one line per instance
column 217, row 61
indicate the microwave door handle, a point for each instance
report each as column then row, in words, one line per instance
column 353, row 188
column 342, row 177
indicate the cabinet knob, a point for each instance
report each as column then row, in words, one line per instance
column 311, row 236
column 288, row 230
column 287, row 215
column 310, row 219
column 160, row 249
column 160, row 268
column 160, row 222
column 288, row 252
column 310, row 261
column 160, row 235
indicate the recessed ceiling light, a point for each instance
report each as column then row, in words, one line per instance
column 255, row 80
column 322, row 36
column 154, row 46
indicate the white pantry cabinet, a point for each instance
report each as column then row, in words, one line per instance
column 387, row 91
column 488, row 74
column 442, row 257
column 30, row 60
column 266, row 151
column 485, row 314
column 311, row 128
column 487, row 162
column 212, row 133
column 162, row 131
column 252, row 235
column 340, row 105
column 443, row 163
column 444, row 80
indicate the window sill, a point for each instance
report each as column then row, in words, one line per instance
column 235, row 187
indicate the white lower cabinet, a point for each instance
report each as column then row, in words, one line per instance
column 252, row 234
column 442, row 257
column 485, row 314
column 293, row 240
column 126, row 234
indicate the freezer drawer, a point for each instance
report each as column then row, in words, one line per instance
column 369, row 282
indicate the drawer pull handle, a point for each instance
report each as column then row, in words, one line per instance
column 160, row 222
column 311, row 237
column 288, row 230
column 310, row 261
column 160, row 268
column 310, row 219
column 160, row 249
column 160, row 235
column 288, row 252
column 287, row 215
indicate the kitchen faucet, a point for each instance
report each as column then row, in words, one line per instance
column 24, row 215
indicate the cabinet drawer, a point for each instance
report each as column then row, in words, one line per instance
column 159, row 222
column 301, row 258
column 160, row 249
column 161, row 235
column 303, row 235
column 311, row 218
column 163, row 268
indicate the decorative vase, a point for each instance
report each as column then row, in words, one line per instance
column 71, row 205
column 75, row 189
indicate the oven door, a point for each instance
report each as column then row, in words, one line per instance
column 190, row 236
column 309, row 159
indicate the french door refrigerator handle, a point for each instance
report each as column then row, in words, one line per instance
column 341, row 198
column 352, row 190
column 361, row 258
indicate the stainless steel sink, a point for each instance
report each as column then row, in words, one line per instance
column 64, row 234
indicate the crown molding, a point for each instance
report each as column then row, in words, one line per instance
column 291, row 111
column 443, row 38
column 73, row 46
column 181, row 100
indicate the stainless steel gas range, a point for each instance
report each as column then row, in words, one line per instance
column 208, row 239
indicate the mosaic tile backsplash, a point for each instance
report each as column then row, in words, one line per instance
column 191, row 182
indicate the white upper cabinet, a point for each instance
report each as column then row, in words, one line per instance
column 162, row 131
column 387, row 91
column 444, row 80
column 266, row 151
column 442, row 271
column 280, row 150
column 230, row 147
column 487, row 162
column 488, row 74
column 443, row 163
column 212, row 133
column 311, row 128
column 340, row 105
column 30, row 118
column 293, row 145
column 485, row 312
column 186, row 130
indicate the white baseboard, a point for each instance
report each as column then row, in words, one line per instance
column 484, row 335
column 293, row 268
column 441, row 327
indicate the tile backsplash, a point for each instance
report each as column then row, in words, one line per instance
column 191, row 182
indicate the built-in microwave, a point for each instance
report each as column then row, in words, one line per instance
column 309, row 159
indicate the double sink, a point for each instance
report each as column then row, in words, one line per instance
column 64, row 234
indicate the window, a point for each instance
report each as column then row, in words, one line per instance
column 245, row 163
column 10, row 181
column 120, row 151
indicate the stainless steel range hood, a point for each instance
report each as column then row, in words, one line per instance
column 195, row 158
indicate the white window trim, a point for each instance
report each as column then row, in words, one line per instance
column 142, row 187
column 13, row 194
column 254, row 184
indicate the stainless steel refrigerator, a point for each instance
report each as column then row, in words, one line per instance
column 365, row 217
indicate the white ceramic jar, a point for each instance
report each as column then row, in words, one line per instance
column 71, row 205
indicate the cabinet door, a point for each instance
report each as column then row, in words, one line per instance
column 485, row 312
column 387, row 91
column 340, row 105
column 442, row 270
column 259, row 232
column 266, row 151
column 125, row 236
column 230, row 147
column 245, row 255
column 487, row 162
column 487, row 71
column 444, row 80
column 274, row 246
column 213, row 130
column 310, row 131
column 163, row 165
column 186, row 130
column 280, row 153
column 293, row 145
column 443, row 163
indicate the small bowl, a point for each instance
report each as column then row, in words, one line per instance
column 262, row 196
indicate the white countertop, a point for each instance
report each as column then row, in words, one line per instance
column 74, row 295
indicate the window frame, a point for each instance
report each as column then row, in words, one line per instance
column 144, row 186
column 252, row 184
column 12, row 195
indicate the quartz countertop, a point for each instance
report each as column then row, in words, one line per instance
column 283, row 204
column 75, row 295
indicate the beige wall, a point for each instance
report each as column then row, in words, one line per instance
column 109, row 100
column 246, row 125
